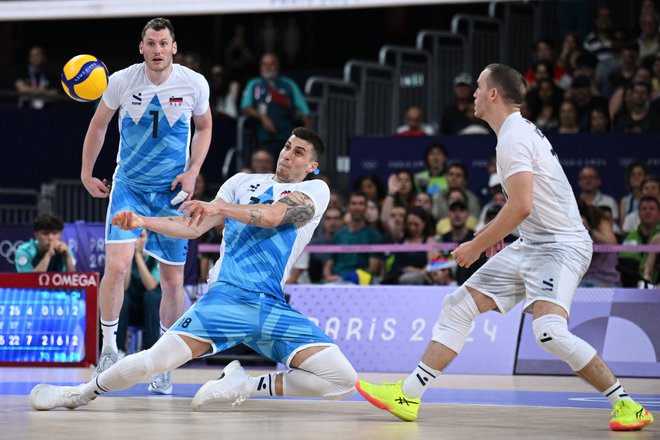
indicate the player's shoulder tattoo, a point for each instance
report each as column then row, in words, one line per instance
column 300, row 208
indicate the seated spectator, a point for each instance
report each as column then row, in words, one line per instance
column 354, row 268
column 589, row 182
column 599, row 42
column 373, row 215
column 439, row 272
column 585, row 100
column 372, row 186
column 276, row 102
column 638, row 118
column 571, row 47
column 225, row 92
column 425, row 201
column 544, row 52
column 621, row 97
column 649, row 39
column 432, row 179
column 543, row 104
column 497, row 198
column 457, row 178
column 409, row 267
column 455, row 116
column 36, row 84
column 331, row 223
column 261, row 162
column 599, row 121
column 460, row 233
column 650, row 188
column 568, row 119
column 633, row 264
column 624, row 73
column 142, row 295
column 602, row 269
column 400, row 192
column 394, row 227
column 45, row 252
column 634, row 176
column 415, row 125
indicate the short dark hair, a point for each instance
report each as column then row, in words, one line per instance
column 508, row 81
column 48, row 222
column 159, row 24
column 434, row 146
column 309, row 135
column 649, row 199
column 358, row 194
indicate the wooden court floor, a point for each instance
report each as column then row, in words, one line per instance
column 489, row 407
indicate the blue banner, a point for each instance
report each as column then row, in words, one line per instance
column 610, row 153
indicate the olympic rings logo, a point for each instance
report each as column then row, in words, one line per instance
column 8, row 249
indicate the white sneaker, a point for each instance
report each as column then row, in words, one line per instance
column 44, row 397
column 161, row 383
column 232, row 387
column 108, row 358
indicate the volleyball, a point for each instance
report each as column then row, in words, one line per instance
column 84, row 78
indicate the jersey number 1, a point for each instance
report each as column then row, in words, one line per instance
column 154, row 132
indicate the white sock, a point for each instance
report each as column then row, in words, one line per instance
column 263, row 385
column 163, row 329
column 616, row 393
column 109, row 329
column 415, row 384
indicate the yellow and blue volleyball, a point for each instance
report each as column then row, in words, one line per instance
column 84, row 78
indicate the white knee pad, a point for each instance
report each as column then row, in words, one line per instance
column 552, row 335
column 168, row 353
column 334, row 378
column 458, row 312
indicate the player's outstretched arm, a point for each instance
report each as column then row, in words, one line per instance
column 173, row 226
column 296, row 208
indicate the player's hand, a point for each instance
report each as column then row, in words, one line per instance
column 96, row 188
column 195, row 211
column 127, row 220
column 466, row 254
column 187, row 182
column 60, row 247
column 268, row 124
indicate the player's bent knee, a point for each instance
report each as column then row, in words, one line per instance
column 458, row 312
column 169, row 352
column 331, row 365
column 552, row 335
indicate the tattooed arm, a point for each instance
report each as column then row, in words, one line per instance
column 296, row 208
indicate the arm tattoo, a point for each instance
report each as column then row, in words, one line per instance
column 255, row 217
column 300, row 208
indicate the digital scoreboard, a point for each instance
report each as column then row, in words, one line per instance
column 48, row 319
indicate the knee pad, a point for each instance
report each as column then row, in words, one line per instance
column 168, row 353
column 335, row 370
column 458, row 312
column 553, row 336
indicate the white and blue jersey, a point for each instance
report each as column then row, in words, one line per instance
column 245, row 302
column 155, row 132
column 154, row 123
column 260, row 259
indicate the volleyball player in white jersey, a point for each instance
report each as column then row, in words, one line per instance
column 156, row 101
column 269, row 219
column 543, row 268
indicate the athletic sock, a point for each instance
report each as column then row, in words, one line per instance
column 163, row 329
column 616, row 393
column 263, row 385
column 415, row 384
column 109, row 329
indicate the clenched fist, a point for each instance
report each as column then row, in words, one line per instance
column 127, row 220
